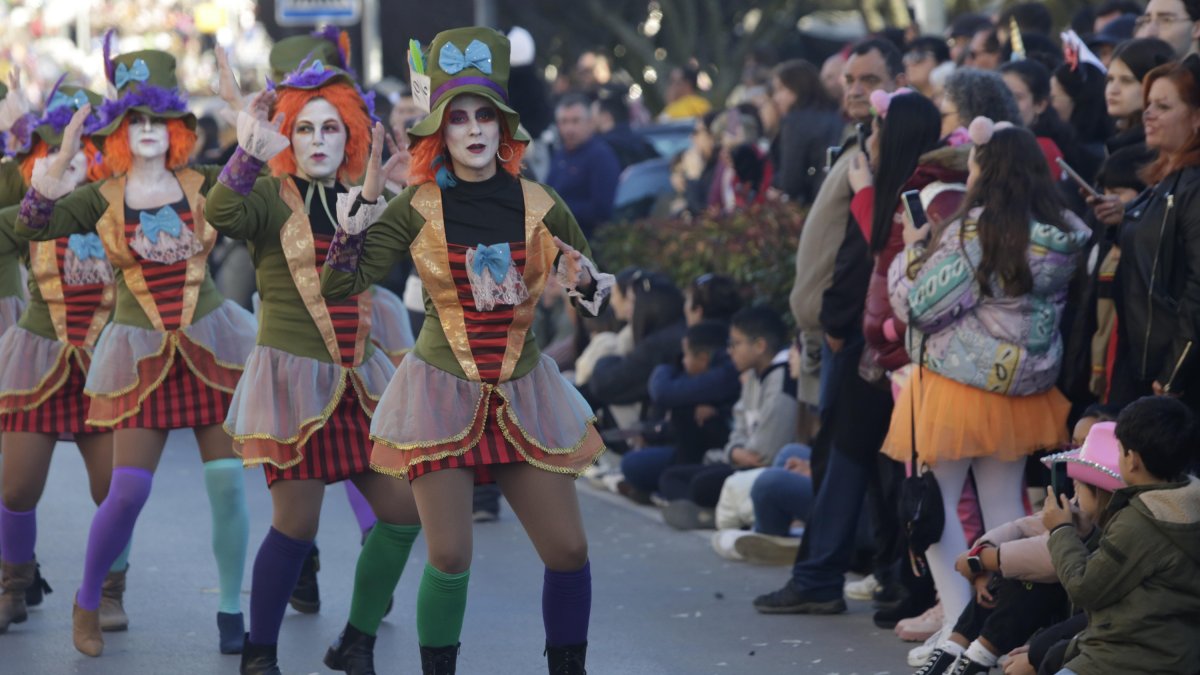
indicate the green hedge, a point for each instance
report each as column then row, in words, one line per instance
column 755, row 247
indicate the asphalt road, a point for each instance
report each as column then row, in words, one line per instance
column 664, row 603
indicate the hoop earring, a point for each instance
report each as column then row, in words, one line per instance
column 511, row 153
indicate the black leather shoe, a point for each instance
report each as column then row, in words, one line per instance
column 439, row 660
column 306, row 596
column 791, row 600
column 353, row 653
column 38, row 590
column 232, row 630
column 568, row 660
column 258, row 659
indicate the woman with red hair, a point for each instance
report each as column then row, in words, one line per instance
column 475, row 401
column 303, row 408
column 48, row 352
column 175, row 348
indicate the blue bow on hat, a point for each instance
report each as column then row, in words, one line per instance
column 165, row 221
column 86, row 246
column 60, row 99
column 496, row 259
column 140, row 73
column 478, row 55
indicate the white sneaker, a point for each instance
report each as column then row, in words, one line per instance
column 611, row 480
column 766, row 549
column 723, row 543
column 917, row 656
column 863, row 589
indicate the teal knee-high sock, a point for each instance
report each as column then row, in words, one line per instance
column 122, row 561
column 226, row 485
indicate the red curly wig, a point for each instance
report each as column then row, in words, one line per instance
column 119, row 157
column 428, row 149
column 343, row 97
column 96, row 168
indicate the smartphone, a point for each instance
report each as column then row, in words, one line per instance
column 1074, row 175
column 1060, row 482
column 916, row 212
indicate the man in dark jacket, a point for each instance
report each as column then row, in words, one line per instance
column 611, row 114
column 584, row 170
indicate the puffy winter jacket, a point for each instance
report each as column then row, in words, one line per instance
column 994, row 342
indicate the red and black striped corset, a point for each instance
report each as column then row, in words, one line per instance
column 165, row 282
column 487, row 332
column 81, row 300
column 343, row 313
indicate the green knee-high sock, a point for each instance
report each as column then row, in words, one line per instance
column 441, row 605
column 226, row 484
column 380, row 564
column 122, row 561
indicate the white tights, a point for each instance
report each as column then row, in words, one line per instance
column 999, row 486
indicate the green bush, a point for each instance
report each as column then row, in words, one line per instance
column 755, row 247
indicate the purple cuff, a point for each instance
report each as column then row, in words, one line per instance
column 35, row 210
column 344, row 251
column 241, row 171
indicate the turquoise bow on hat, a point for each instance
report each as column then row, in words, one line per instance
column 140, row 73
column 165, row 221
column 478, row 55
column 496, row 259
column 60, row 99
column 86, row 246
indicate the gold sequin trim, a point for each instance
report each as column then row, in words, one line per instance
column 187, row 360
column 44, row 268
column 62, row 379
column 296, row 239
column 197, row 265
column 111, row 229
column 302, row 437
column 480, row 409
column 141, row 396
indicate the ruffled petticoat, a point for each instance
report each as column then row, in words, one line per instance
column 10, row 311
column 178, row 379
column 284, row 399
column 391, row 328
column 41, row 384
column 429, row 420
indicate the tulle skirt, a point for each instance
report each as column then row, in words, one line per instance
column 957, row 421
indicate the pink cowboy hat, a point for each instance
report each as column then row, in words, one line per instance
column 1097, row 462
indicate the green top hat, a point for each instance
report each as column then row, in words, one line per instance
column 145, row 82
column 467, row 61
column 60, row 107
column 311, row 61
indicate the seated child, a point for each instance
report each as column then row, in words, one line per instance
column 697, row 395
column 1141, row 588
column 764, row 419
column 1017, row 590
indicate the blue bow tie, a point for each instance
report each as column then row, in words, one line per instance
column 140, row 73
column 496, row 259
column 478, row 56
column 86, row 246
column 165, row 221
column 77, row 101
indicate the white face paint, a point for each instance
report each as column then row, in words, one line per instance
column 319, row 141
column 76, row 170
column 148, row 136
column 472, row 134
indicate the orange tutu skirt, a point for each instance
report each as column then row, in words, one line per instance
column 956, row 421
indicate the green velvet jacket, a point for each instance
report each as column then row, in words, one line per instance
column 413, row 224
column 272, row 222
column 11, row 252
column 99, row 207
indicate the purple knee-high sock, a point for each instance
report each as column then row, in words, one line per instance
column 18, row 534
column 358, row 504
column 112, row 529
column 567, row 606
column 276, row 569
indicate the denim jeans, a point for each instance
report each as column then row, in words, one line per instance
column 642, row 468
column 781, row 496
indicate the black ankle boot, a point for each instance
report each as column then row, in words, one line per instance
column 258, row 659
column 353, row 653
column 306, row 596
column 567, row 660
column 439, row 660
column 36, row 592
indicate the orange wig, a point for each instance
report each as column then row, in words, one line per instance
column 96, row 168
column 346, row 100
column 426, row 151
column 119, row 157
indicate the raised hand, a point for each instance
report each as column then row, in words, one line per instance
column 577, row 275
column 72, row 141
column 227, row 87
column 377, row 170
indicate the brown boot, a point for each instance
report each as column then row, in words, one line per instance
column 15, row 579
column 112, row 611
column 85, row 631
